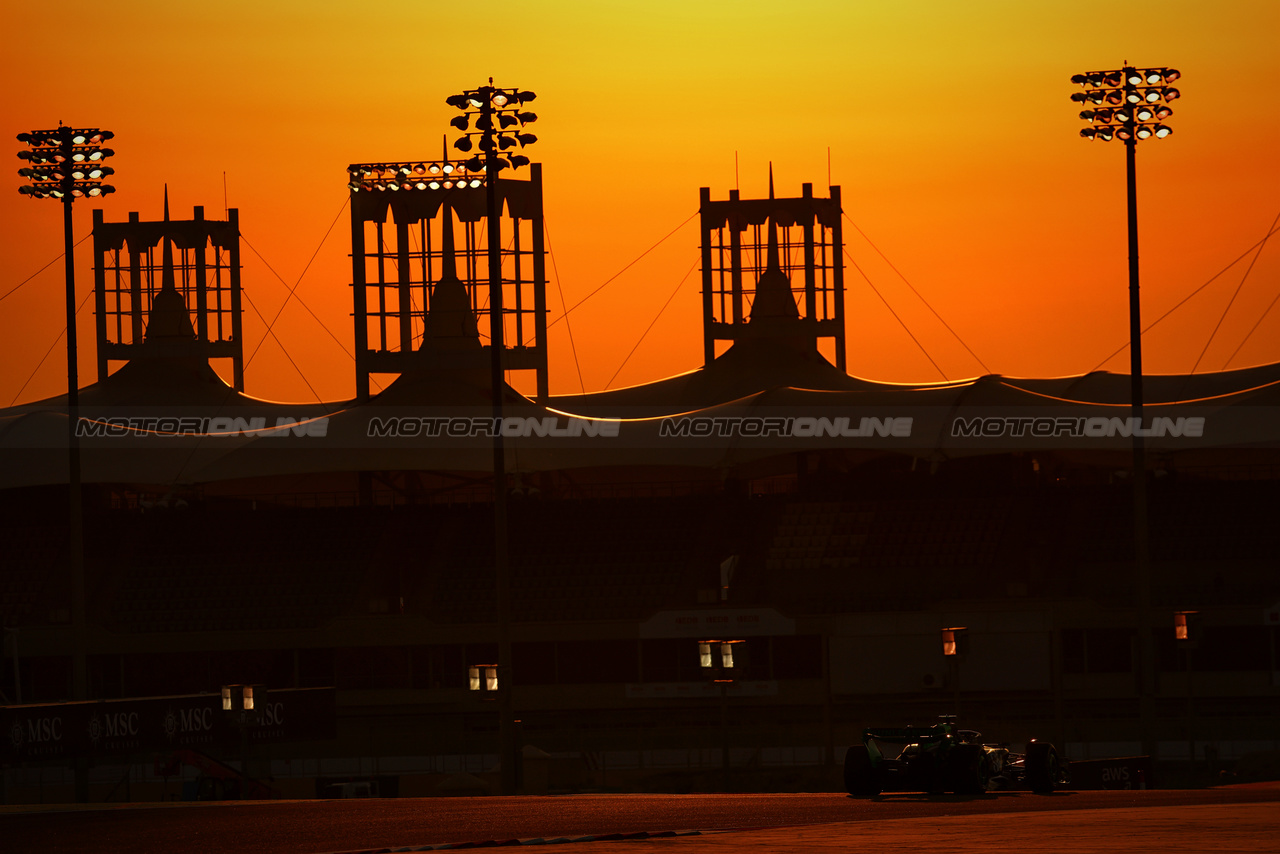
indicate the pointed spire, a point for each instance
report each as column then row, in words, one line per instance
column 773, row 299
column 450, row 324
column 448, row 263
column 772, row 261
column 166, row 275
column 168, row 318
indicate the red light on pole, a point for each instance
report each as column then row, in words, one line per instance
column 954, row 640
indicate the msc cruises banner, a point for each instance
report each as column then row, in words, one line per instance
column 155, row 724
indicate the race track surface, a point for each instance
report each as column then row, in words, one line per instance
column 312, row 827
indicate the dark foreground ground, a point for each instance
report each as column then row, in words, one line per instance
column 1220, row 820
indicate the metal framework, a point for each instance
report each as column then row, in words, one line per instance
column 399, row 252
column 810, row 248
column 129, row 269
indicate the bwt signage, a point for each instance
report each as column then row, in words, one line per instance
column 68, row 730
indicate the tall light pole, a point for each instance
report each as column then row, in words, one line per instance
column 716, row 658
column 1131, row 104
column 1182, row 623
column 955, row 646
column 67, row 164
column 499, row 122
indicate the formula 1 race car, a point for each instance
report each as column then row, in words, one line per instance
column 942, row 758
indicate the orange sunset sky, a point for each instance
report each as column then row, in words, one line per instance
column 949, row 127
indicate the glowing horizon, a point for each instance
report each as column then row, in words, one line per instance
column 950, row 131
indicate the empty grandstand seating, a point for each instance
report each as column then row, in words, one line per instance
column 236, row 568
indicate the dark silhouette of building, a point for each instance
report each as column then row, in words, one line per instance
column 834, row 553
column 144, row 313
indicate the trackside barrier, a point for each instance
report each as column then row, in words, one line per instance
column 1121, row 772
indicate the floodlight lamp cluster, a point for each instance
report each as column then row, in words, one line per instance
column 65, row 163
column 414, row 176
column 498, row 119
column 1129, row 104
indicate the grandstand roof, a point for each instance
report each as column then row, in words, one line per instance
column 644, row 429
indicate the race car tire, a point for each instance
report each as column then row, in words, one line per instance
column 932, row 771
column 1042, row 766
column 860, row 777
column 964, row 769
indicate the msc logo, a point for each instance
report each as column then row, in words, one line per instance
column 35, row 731
column 113, row 725
column 273, row 714
column 188, row 721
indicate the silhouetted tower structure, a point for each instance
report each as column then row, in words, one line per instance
column 743, row 295
column 418, row 245
column 183, row 304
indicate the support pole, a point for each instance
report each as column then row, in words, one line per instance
column 539, row 284
column 1141, row 539
column 708, row 296
column 100, row 292
column 502, row 565
column 724, row 736
column 837, row 277
column 810, row 274
column 359, row 302
column 237, row 311
column 1191, row 732
column 75, row 505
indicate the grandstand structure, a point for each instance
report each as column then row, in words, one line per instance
column 831, row 526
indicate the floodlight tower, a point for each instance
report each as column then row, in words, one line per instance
column 67, row 164
column 403, row 241
column 1131, row 104
column 499, row 122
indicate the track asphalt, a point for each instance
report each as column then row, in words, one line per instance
column 1252, row 828
column 1222, row 820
